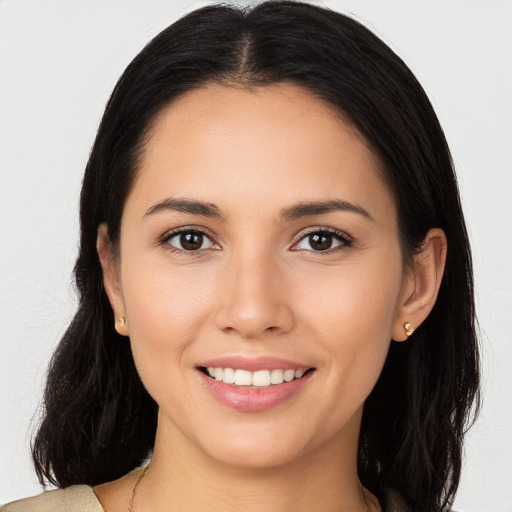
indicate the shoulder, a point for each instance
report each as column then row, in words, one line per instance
column 77, row 498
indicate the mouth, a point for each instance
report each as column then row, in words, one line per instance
column 257, row 383
column 258, row 379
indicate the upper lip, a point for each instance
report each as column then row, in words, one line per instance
column 253, row 363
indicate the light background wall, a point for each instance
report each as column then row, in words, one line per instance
column 59, row 60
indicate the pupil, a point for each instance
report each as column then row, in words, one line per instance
column 320, row 242
column 191, row 241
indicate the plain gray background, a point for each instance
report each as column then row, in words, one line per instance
column 59, row 60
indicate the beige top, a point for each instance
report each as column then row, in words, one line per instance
column 77, row 498
column 81, row 498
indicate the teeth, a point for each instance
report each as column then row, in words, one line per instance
column 243, row 378
column 260, row 378
column 229, row 376
column 289, row 375
column 276, row 376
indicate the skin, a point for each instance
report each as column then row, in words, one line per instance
column 257, row 286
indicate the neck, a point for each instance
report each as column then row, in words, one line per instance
column 182, row 477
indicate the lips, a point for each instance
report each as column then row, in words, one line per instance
column 254, row 384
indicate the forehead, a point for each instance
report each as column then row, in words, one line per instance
column 217, row 142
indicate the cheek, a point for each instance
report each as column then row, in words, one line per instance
column 165, row 313
column 353, row 313
column 357, row 299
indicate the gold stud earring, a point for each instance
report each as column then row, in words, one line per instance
column 408, row 329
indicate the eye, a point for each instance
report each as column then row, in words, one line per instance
column 322, row 241
column 189, row 240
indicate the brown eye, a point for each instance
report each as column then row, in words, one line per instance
column 322, row 241
column 190, row 241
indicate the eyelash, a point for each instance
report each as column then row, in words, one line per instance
column 343, row 238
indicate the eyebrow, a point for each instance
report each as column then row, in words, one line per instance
column 321, row 207
column 186, row 206
column 294, row 212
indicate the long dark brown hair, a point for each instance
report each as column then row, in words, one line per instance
column 99, row 421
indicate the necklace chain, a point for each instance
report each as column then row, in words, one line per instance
column 131, row 506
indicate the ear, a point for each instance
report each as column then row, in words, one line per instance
column 110, row 268
column 421, row 286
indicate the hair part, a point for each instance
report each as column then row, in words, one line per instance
column 99, row 420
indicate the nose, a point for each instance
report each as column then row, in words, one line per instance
column 253, row 298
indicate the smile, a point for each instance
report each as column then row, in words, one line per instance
column 257, row 379
column 253, row 389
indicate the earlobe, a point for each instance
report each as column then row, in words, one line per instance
column 111, row 282
column 422, row 285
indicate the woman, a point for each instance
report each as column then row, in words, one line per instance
column 269, row 202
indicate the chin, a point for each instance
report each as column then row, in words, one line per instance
column 271, row 445
column 246, row 455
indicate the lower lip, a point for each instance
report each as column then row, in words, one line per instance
column 252, row 399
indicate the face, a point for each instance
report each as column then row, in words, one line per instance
column 259, row 244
